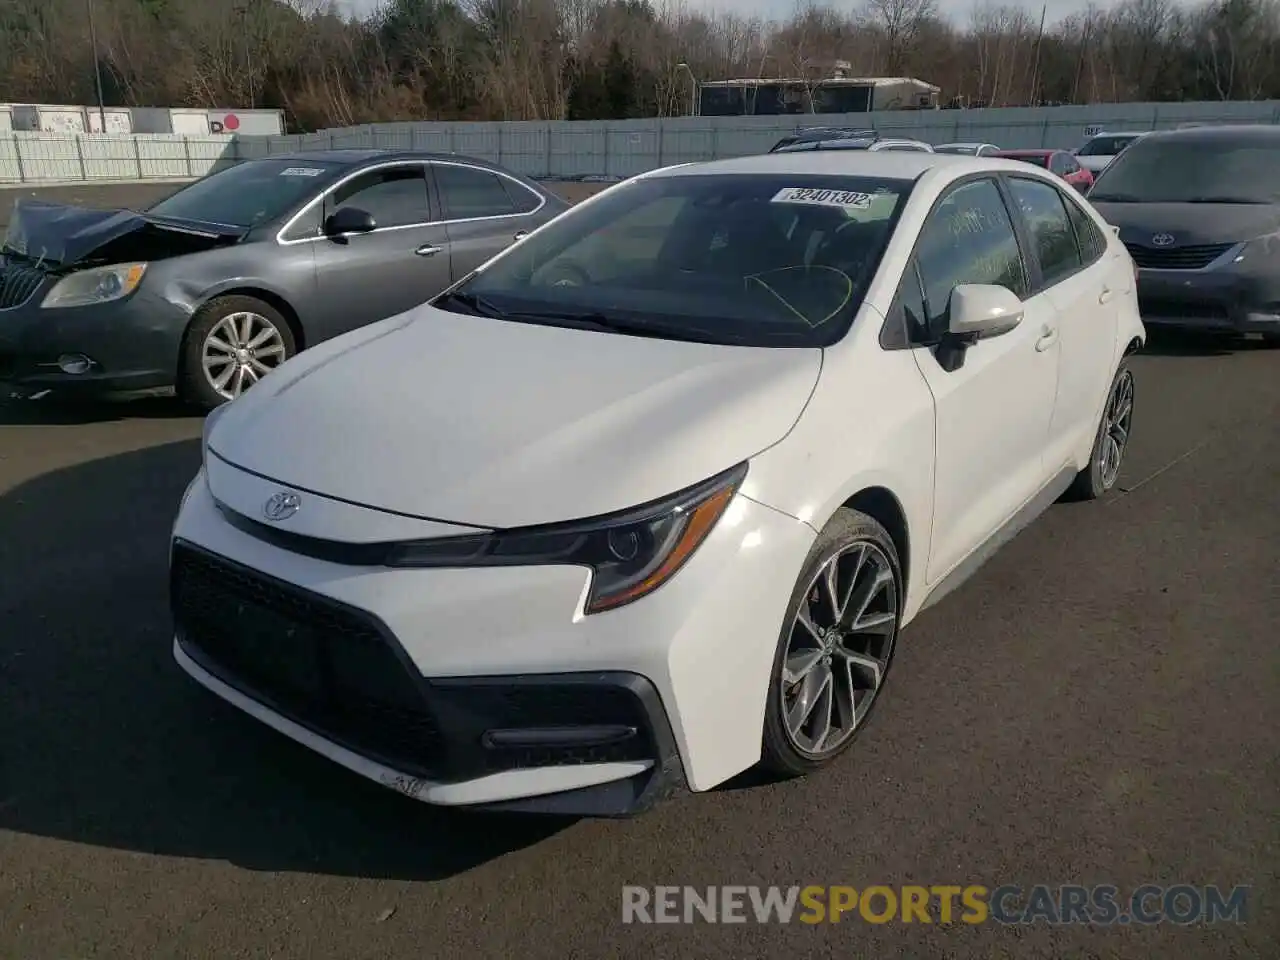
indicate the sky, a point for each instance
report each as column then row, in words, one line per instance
column 956, row 10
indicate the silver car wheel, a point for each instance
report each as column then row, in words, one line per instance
column 239, row 351
column 1116, row 421
column 839, row 649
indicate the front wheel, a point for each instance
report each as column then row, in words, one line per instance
column 836, row 646
column 1111, row 441
column 231, row 344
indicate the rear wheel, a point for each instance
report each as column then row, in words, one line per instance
column 1111, row 441
column 836, row 646
column 1271, row 339
column 231, row 344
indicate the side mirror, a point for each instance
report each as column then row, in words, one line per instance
column 982, row 310
column 349, row 220
column 978, row 311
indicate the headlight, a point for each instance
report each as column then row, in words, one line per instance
column 630, row 554
column 99, row 285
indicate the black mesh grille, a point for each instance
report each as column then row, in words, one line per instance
column 1176, row 258
column 323, row 665
column 17, row 284
column 1189, row 310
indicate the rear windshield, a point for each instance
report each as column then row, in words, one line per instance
column 250, row 193
column 1039, row 159
column 966, row 148
column 772, row 260
column 1193, row 171
column 1104, row 146
column 841, row 143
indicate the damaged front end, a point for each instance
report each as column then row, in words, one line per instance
column 76, row 313
column 55, row 240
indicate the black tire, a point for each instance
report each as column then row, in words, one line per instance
column 780, row 755
column 1271, row 340
column 1097, row 479
column 193, row 383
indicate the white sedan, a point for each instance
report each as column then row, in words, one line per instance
column 647, row 500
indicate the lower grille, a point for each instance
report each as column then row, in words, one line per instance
column 18, row 284
column 1177, row 258
column 310, row 659
column 564, row 706
column 1152, row 307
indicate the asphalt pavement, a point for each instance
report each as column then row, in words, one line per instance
column 1097, row 706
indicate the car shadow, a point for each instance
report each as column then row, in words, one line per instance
column 54, row 411
column 1165, row 342
column 104, row 741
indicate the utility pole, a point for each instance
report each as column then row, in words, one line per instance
column 1035, row 71
column 693, row 91
column 97, row 68
column 243, row 13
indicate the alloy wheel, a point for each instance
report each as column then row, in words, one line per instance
column 839, row 648
column 239, row 351
column 1116, row 421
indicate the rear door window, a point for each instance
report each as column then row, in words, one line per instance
column 1045, row 213
column 470, row 193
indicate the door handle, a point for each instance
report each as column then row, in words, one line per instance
column 1047, row 339
column 427, row 250
column 1106, row 295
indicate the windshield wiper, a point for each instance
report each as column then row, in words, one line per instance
column 1242, row 200
column 1116, row 198
column 473, row 303
column 604, row 323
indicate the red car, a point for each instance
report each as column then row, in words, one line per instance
column 1055, row 161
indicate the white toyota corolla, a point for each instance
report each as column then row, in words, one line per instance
column 647, row 499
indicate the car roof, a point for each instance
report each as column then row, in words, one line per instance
column 1037, row 152
column 966, row 143
column 848, row 163
column 1236, row 132
column 356, row 158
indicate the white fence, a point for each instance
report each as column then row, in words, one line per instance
column 574, row 150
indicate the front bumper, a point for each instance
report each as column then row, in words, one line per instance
column 1225, row 299
column 133, row 345
column 490, row 688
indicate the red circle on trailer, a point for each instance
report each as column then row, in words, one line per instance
column 231, row 121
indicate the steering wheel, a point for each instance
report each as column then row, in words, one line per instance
column 566, row 274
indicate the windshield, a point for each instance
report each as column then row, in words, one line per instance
column 1105, row 146
column 1192, row 171
column 966, row 148
column 778, row 260
column 247, row 194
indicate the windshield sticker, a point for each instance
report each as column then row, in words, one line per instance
column 301, row 171
column 844, row 199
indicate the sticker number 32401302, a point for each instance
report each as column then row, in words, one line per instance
column 823, row 198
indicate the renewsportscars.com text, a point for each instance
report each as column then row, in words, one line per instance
column 1102, row 905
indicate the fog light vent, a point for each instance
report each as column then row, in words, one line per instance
column 74, row 364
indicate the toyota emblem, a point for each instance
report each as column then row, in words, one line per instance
column 281, row 506
column 1162, row 240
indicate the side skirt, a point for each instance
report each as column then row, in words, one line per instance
column 1037, row 505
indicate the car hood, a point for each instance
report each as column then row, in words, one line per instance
column 1190, row 223
column 61, row 236
column 500, row 424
